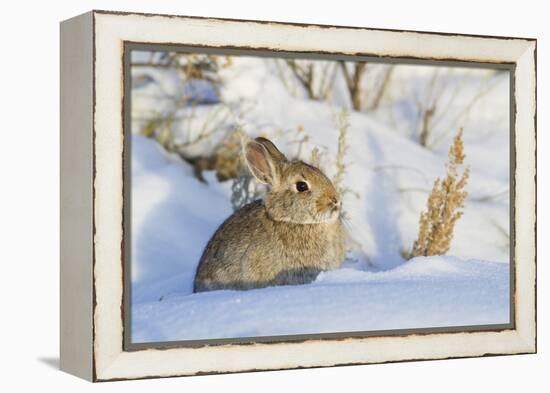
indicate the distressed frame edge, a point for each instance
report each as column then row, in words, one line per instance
column 525, row 207
column 526, row 339
column 76, row 196
column 305, row 25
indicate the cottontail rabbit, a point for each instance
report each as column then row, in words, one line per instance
column 287, row 238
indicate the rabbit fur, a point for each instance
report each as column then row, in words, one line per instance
column 287, row 238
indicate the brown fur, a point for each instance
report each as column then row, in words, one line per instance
column 286, row 239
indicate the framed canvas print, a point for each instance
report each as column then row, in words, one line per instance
column 245, row 195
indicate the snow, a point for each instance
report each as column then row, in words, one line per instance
column 170, row 226
column 425, row 292
column 389, row 175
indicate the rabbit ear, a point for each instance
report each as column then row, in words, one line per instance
column 264, row 160
column 271, row 148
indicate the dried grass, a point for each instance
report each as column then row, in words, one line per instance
column 343, row 126
column 444, row 206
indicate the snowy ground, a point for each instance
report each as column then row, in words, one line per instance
column 425, row 292
column 174, row 215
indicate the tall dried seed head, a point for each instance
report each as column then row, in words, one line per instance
column 444, row 206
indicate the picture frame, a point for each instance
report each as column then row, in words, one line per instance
column 94, row 297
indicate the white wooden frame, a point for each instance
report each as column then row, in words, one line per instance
column 92, row 194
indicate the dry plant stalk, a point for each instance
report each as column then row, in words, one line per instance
column 244, row 189
column 315, row 159
column 317, row 82
column 445, row 205
column 381, row 90
column 343, row 126
column 353, row 82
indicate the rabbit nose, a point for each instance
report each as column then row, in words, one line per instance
column 335, row 202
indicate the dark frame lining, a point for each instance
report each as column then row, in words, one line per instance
column 265, row 52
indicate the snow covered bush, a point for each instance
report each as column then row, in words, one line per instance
column 191, row 111
column 363, row 84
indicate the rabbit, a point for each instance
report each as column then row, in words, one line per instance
column 287, row 238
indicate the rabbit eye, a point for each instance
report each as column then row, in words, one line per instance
column 301, row 186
